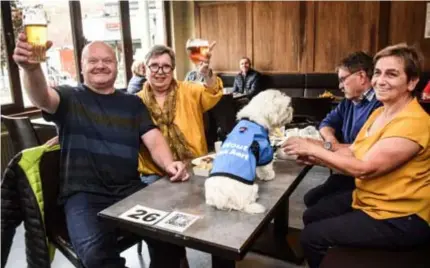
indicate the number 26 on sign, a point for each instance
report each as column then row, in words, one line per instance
column 143, row 215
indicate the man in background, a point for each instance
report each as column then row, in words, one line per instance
column 247, row 81
column 138, row 79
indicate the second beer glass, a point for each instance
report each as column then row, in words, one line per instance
column 196, row 49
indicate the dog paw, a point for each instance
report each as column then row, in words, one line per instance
column 254, row 208
column 266, row 175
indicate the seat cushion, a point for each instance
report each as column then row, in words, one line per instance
column 316, row 108
column 293, row 81
column 292, row 92
column 322, row 80
column 227, row 79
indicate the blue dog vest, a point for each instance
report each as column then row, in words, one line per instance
column 246, row 147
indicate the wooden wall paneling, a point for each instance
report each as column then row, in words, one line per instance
column 249, row 28
column 310, row 36
column 307, row 36
column 197, row 16
column 342, row 28
column 407, row 23
column 226, row 23
column 383, row 32
column 276, row 37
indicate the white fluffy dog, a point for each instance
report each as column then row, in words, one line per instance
column 247, row 153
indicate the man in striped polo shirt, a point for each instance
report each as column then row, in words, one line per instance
column 100, row 130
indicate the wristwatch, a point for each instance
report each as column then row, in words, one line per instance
column 328, row 145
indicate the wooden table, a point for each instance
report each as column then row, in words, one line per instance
column 227, row 235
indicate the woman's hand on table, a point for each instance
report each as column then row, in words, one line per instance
column 177, row 171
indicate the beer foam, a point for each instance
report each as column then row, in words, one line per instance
column 197, row 43
column 34, row 15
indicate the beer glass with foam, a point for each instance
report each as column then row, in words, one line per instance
column 35, row 27
column 196, row 49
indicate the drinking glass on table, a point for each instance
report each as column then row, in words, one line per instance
column 35, row 28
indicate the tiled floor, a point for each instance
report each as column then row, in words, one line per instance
column 197, row 259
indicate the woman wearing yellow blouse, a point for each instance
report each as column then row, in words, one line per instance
column 176, row 107
column 390, row 160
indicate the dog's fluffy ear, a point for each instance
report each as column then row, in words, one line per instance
column 269, row 108
column 280, row 112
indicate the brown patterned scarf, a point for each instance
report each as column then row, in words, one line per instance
column 164, row 118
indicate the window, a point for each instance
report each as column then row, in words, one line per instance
column 147, row 25
column 5, row 92
column 100, row 21
column 59, row 68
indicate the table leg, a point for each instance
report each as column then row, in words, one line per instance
column 279, row 241
column 218, row 262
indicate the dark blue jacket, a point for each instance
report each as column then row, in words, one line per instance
column 250, row 84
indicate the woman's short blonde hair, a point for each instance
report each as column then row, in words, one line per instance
column 411, row 56
column 136, row 67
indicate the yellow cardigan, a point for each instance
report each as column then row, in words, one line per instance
column 193, row 100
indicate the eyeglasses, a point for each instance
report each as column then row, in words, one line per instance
column 164, row 68
column 343, row 79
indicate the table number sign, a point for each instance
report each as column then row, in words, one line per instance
column 143, row 215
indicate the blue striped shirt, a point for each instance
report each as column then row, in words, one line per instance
column 100, row 137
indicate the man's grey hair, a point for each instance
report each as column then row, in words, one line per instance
column 159, row 50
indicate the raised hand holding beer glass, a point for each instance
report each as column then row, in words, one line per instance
column 35, row 28
column 200, row 52
column 34, row 82
column 23, row 53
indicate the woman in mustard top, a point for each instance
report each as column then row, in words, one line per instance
column 176, row 107
column 390, row 160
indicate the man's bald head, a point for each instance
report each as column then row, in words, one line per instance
column 96, row 46
column 99, row 66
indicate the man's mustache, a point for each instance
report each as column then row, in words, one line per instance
column 101, row 70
